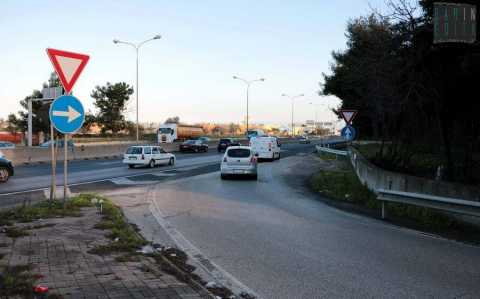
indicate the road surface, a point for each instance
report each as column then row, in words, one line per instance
column 38, row 176
column 279, row 240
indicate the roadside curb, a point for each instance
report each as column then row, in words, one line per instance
column 209, row 268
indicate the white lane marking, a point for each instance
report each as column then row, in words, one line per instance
column 219, row 274
column 126, row 181
column 163, row 174
column 108, row 163
column 178, row 168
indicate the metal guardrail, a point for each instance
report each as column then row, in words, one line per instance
column 447, row 204
column 331, row 151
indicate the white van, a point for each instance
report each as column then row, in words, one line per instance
column 266, row 147
column 147, row 155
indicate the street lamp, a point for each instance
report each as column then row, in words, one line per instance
column 137, row 47
column 248, row 88
column 315, row 121
column 293, row 100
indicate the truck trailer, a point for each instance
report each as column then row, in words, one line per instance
column 168, row 133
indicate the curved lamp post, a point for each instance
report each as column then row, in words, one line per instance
column 248, row 83
column 293, row 101
column 137, row 48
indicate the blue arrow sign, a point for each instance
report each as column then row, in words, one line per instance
column 67, row 114
column 349, row 133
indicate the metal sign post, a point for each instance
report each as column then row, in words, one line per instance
column 66, row 112
column 67, row 116
column 65, row 168
column 53, row 188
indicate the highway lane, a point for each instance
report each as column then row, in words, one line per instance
column 276, row 238
column 38, row 176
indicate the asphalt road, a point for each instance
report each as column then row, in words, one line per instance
column 278, row 239
column 38, row 176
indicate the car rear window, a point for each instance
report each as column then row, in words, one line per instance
column 134, row 151
column 239, row 153
column 224, row 140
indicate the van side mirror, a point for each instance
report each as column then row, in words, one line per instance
column 256, row 155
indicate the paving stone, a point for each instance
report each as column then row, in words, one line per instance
column 59, row 254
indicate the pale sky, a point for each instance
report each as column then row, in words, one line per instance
column 188, row 73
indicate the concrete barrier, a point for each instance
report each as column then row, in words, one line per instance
column 376, row 178
column 29, row 155
column 26, row 155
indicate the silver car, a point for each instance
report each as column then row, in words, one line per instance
column 239, row 161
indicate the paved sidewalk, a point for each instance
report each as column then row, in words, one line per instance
column 58, row 255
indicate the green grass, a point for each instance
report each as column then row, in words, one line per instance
column 329, row 157
column 124, row 236
column 16, row 232
column 17, row 281
column 45, row 210
column 344, row 185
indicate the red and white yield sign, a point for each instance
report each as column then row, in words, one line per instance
column 68, row 66
column 348, row 115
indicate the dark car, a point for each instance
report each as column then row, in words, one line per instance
column 6, row 169
column 224, row 143
column 194, row 146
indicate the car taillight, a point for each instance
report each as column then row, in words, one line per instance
column 225, row 159
column 143, row 157
column 253, row 159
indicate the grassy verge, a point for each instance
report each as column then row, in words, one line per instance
column 17, row 281
column 45, row 210
column 328, row 156
column 125, row 237
column 343, row 185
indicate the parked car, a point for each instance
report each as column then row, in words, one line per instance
column 239, row 161
column 147, row 156
column 7, row 145
column 194, row 146
column 304, row 140
column 224, row 143
column 266, row 147
column 6, row 169
column 58, row 143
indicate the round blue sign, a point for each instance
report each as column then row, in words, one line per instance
column 67, row 114
column 349, row 133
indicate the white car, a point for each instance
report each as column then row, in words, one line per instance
column 266, row 147
column 239, row 161
column 147, row 155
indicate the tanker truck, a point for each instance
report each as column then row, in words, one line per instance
column 168, row 133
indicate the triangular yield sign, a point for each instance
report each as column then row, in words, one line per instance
column 68, row 66
column 348, row 115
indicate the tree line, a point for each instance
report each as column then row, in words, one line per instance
column 413, row 95
column 110, row 100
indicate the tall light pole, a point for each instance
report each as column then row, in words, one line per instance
column 315, row 121
column 293, row 101
column 248, row 82
column 137, row 47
